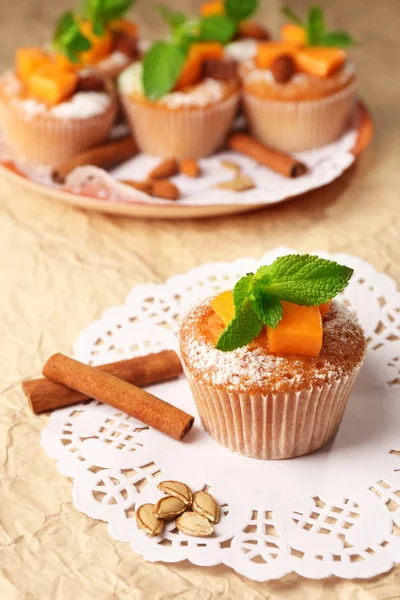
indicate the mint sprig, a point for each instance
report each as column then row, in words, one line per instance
column 173, row 18
column 101, row 12
column 217, row 28
column 162, row 66
column 238, row 10
column 68, row 39
column 315, row 27
column 300, row 278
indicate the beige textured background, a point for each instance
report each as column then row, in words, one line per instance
column 61, row 268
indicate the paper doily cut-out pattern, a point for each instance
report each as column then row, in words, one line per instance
column 336, row 511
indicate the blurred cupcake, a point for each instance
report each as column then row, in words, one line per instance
column 177, row 105
column 299, row 93
column 96, row 37
column 49, row 114
column 272, row 393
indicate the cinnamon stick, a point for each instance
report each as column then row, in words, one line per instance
column 120, row 394
column 105, row 156
column 44, row 394
column 266, row 155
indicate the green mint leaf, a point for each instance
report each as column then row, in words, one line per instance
column 304, row 279
column 217, row 28
column 337, row 39
column 243, row 328
column 238, row 10
column 162, row 66
column 173, row 18
column 68, row 39
column 267, row 307
column 315, row 25
column 115, row 9
column 242, row 290
column 291, row 16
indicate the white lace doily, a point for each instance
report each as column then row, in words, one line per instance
column 336, row 511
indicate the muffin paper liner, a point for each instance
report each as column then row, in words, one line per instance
column 302, row 125
column 272, row 426
column 185, row 132
column 45, row 141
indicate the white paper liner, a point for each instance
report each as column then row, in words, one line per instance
column 45, row 141
column 186, row 132
column 303, row 125
column 272, row 426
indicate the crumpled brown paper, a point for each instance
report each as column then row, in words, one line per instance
column 61, row 268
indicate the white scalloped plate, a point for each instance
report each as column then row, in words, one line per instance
column 326, row 164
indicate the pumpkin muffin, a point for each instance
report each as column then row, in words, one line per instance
column 49, row 114
column 190, row 120
column 284, row 393
column 299, row 93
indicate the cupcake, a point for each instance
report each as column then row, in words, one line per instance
column 96, row 37
column 271, row 377
column 49, row 113
column 299, row 93
column 182, row 98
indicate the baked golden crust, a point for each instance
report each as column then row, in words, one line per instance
column 252, row 369
column 302, row 87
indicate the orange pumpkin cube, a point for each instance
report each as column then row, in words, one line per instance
column 52, row 85
column 128, row 27
column 193, row 68
column 224, row 307
column 267, row 52
column 324, row 308
column 299, row 333
column 290, row 32
column 215, row 7
column 27, row 60
column 319, row 61
column 101, row 44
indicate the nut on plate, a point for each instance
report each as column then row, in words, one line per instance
column 191, row 523
column 169, row 507
column 190, row 167
column 206, row 506
column 177, row 489
column 163, row 188
column 166, row 168
column 147, row 522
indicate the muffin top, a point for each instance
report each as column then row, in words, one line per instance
column 301, row 86
column 205, row 92
column 80, row 105
column 253, row 369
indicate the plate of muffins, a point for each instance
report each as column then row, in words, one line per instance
column 216, row 118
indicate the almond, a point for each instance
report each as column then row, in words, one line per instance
column 283, row 68
column 125, row 43
column 163, row 188
column 89, row 82
column 190, row 167
column 223, row 70
column 142, row 186
column 252, row 29
column 167, row 168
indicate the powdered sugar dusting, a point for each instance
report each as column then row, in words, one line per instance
column 252, row 368
column 82, row 105
column 206, row 92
